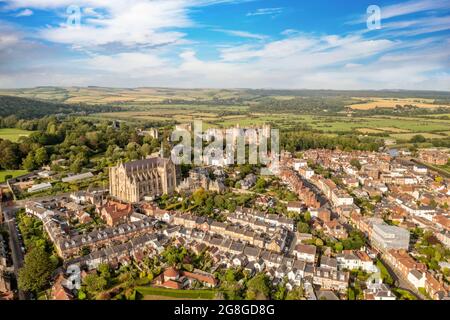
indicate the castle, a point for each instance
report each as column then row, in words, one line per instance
column 132, row 181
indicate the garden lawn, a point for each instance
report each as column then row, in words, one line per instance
column 403, row 294
column 13, row 173
column 188, row 294
column 13, row 134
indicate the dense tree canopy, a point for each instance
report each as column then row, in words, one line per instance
column 74, row 139
column 306, row 105
column 24, row 108
column 303, row 140
column 258, row 287
column 37, row 270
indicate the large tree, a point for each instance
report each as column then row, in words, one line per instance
column 258, row 287
column 29, row 162
column 95, row 283
column 10, row 155
column 36, row 272
column 41, row 156
column 303, row 227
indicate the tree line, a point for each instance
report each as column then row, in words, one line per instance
column 25, row 108
column 302, row 105
column 74, row 139
column 294, row 140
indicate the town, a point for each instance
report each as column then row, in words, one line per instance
column 327, row 225
column 224, row 158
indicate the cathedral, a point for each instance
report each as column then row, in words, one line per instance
column 132, row 181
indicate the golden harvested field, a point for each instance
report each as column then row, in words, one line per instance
column 372, row 103
column 283, row 97
column 392, row 129
column 161, row 115
column 97, row 95
column 369, row 130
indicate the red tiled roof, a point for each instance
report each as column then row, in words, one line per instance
column 201, row 277
column 171, row 284
column 363, row 256
column 305, row 248
column 117, row 210
column 443, row 221
column 171, row 272
column 59, row 292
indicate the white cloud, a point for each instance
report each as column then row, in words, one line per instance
column 141, row 23
column 128, row 23
column 406, row 8
column 265, row 11
column 24, row 13
column 125, row 63
column 302, row 61
column 8, row 40
column 310, row 51
column 289, row 32
column 305, row 61
column 418, row 26
column 413, row 6
column 242, row 34
column 91, row 12
column 155, row 51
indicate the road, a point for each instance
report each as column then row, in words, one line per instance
column 15, row 246
column 402, row 283
column 14, row 241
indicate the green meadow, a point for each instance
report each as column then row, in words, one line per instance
column 180, row 294
column 400, row 128
column 13, row 173
column 13, row 134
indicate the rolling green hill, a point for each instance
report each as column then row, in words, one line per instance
column 25, row 108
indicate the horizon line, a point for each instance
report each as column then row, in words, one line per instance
column 221, row 88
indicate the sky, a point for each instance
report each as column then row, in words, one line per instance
column 283, row 44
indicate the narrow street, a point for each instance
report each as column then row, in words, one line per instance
column 402, row 283
column 15, row 246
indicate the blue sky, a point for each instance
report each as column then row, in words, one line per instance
column 319, row 44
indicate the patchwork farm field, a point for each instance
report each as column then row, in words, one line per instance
column 397, row 127
column 101, row 95
column 230, row 107
column 408, row 136
column 13, row 134
column 372, row 103
column 441, row 115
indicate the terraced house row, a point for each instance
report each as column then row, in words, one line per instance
column 275, row 240
column 69, row 245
